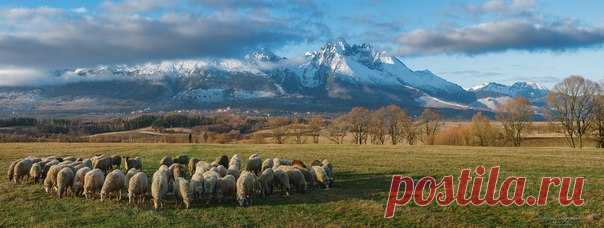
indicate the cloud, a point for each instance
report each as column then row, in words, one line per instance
column 12, row 76
column 54, row 38
column 502, row 6
column 501, row 36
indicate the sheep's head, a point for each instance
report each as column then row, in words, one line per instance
column 244, row 201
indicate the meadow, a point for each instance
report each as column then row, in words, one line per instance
column 362, row 174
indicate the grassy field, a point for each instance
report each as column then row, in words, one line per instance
column 358, row 198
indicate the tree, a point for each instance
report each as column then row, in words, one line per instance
column 337, row 129
column 377, row 126
column 316, row 123
column 358, row 119
column 279, row 131
column 573, row 102
column 482, row 130
column 599, row 122
column 515, row 116
column 410, row 130
column 394, row 119
column 431, row 123
column 298, row 130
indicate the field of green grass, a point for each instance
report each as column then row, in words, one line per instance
column 362, row 176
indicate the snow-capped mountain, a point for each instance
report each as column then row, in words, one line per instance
column 336, row 77
column 492, row 94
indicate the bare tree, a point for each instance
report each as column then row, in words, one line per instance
column 410, row 130
column 394, row 119
column 316, row 123
column 337, row 129
column 483, row 131
column 515, row 116
column 377, row 126
column 431, row 123
column 573, row 103
column 299, row 131
column 598, row 125
column 358, row 118
column 279, row 129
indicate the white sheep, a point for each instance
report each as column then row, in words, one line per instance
column 64, row 180
column 114, row 183
column 235, row 162
column 328, row 169
column 130, row 174
column 221, row 170
column 11, row 170
column 159, row 186
column 266, row 181
column 36, row 172
column 321, row 176
column 234, row 172
column 87, row 163
column 296, row 178
column 281, row 179
column 191, row 165
column 22, row 169
column 184, row 192
column 202, row 167
column 137, row 187
column 51, row 177
column 226, row 187
column 78, row 180
column 254, row 164
column 209, row 184
column 246, row 186
column 196, row 185
column 93, row 182
column 267, row 163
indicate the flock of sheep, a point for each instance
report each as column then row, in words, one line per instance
column 221, row 179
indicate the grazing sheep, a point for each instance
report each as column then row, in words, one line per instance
column 321, row 177
column 48, row 165
column 192, row 164
column 130, row 174
column 281, row 180
column 11, row 170
column 116, row 161
column 328, row 169
column 133, row 163
column 222, row 160
column 184, row 191
column 221, row 170
column 69, row 158
column 267, row 163
column 115, row 182
column 196, row 185
column 137, row 187
column 316, row 163
column 254, row 164
column 166, row 160
column 22, row 169
column 279, row 162
column 296, row 178
column 235, row 162
column 298, row 163
column 159, row 187
column 87, row 163
column 64, row 180
column 93, row 182
column 209, row 184
column 102, row 163
column 234, row 172
column 182, row 159
column 51, row 177
column 246, row 186
column 35, row 172
column 177, row 170
column 202, row 167
column 308, row 176
column 226, row 187
column 266, row 182
column 78, row 181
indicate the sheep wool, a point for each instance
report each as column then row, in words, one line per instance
column 64, row 180
column 281, row 179
column 78, row 180
column 266, row 181
column 137, row 187
column 226, row 187
column 22, row 169
column 267, row 163
column 183, row 191
column 11, row 170
column 93, row 182
column 159, row 186
column 35, row 172
column 191, row 165
column 246, row 184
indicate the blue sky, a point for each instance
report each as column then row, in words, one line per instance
column 467, row 42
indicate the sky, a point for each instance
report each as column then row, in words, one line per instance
column 466, row 42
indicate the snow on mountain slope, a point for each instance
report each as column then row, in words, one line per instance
column 525, row 89
column 491, row 103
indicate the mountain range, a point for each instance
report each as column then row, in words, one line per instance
column 334, row 78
